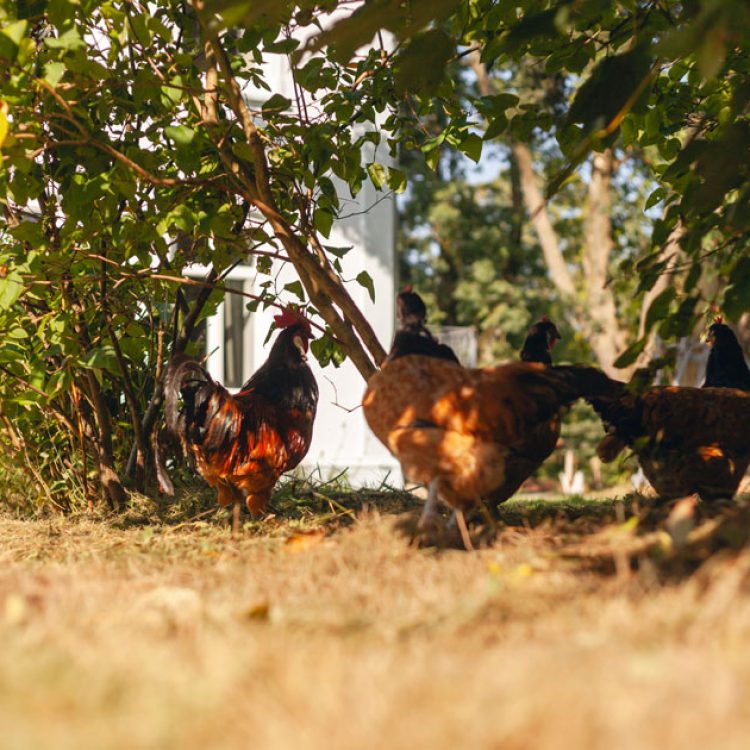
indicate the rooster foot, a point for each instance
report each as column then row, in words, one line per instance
column 236, row 511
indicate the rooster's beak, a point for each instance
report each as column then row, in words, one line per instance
column 301, row 347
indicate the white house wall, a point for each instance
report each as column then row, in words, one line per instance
column 341, row 438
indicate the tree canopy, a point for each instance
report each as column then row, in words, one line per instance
column 129, row 150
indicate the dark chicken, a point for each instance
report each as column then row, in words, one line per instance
column 413, row 337
column 455, row 429
column 540, row 341
column 241, row 444
column 726, row 366
column 535, row 448
column 687, row 440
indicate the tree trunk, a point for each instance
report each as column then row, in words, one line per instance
column 607, row 339
column 596, row 313
column 112, row 488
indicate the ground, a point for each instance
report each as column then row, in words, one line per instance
column 326, row 627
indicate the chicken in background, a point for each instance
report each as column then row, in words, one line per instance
column 455, row 429
column 687, row 440
column 526, row 456
column 413, row 337
column 242, row 443
column 726, row 366
column 540, row 341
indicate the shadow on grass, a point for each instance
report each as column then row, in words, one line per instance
column 603, row 534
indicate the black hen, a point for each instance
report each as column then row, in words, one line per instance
column 413, row 337
column 726, row 366
column 540, row 341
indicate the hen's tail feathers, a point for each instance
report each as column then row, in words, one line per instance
column 181, row 370
column 588, row 382
column 567, row 383
column 553, row 388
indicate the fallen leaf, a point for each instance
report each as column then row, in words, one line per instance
column 257, row 611
column 303, row 540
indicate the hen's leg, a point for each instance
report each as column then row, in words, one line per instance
column 429, row 519
column 458, row 514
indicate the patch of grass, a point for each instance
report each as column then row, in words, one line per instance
column 325, row 626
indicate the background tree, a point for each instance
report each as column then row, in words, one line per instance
column 129, row 151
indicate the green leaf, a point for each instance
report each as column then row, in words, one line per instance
column 364, row 279
column 472, row 147
column 182, row 135
column 101, row 358
column 528, row 28
column 396, row 180
column 277, row 103
column 11, row 37
column 339, row 252
column 323, row 221
column 421, row 66
column 612, row 90
column 283, row 46
column 631, row 354
column 659, row 308
column 737, row 294
column 327, row 351
column 295, row 287
column 377, row 175
column 15, row 31
column 655, row 197
column 69, row 41
column 10, row 290
column 53, row 72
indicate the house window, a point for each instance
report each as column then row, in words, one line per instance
column 225, row 338
column 238, row 360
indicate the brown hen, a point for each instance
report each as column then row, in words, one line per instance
column 454, row 429
column 687, row 440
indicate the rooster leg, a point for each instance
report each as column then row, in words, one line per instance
column 236, row 510
column 429, row 518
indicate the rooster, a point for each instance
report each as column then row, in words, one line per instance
column 454, row 429
column 242, row 443
column 687, row 440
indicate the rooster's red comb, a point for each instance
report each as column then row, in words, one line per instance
column 545, row 318
column 408, row 288
column 291, row 316
column 718, row 319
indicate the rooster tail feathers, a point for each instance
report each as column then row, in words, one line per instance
column 181, row 370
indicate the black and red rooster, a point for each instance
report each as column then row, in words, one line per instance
column 242, row 443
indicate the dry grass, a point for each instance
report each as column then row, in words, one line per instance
column 140, row 633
